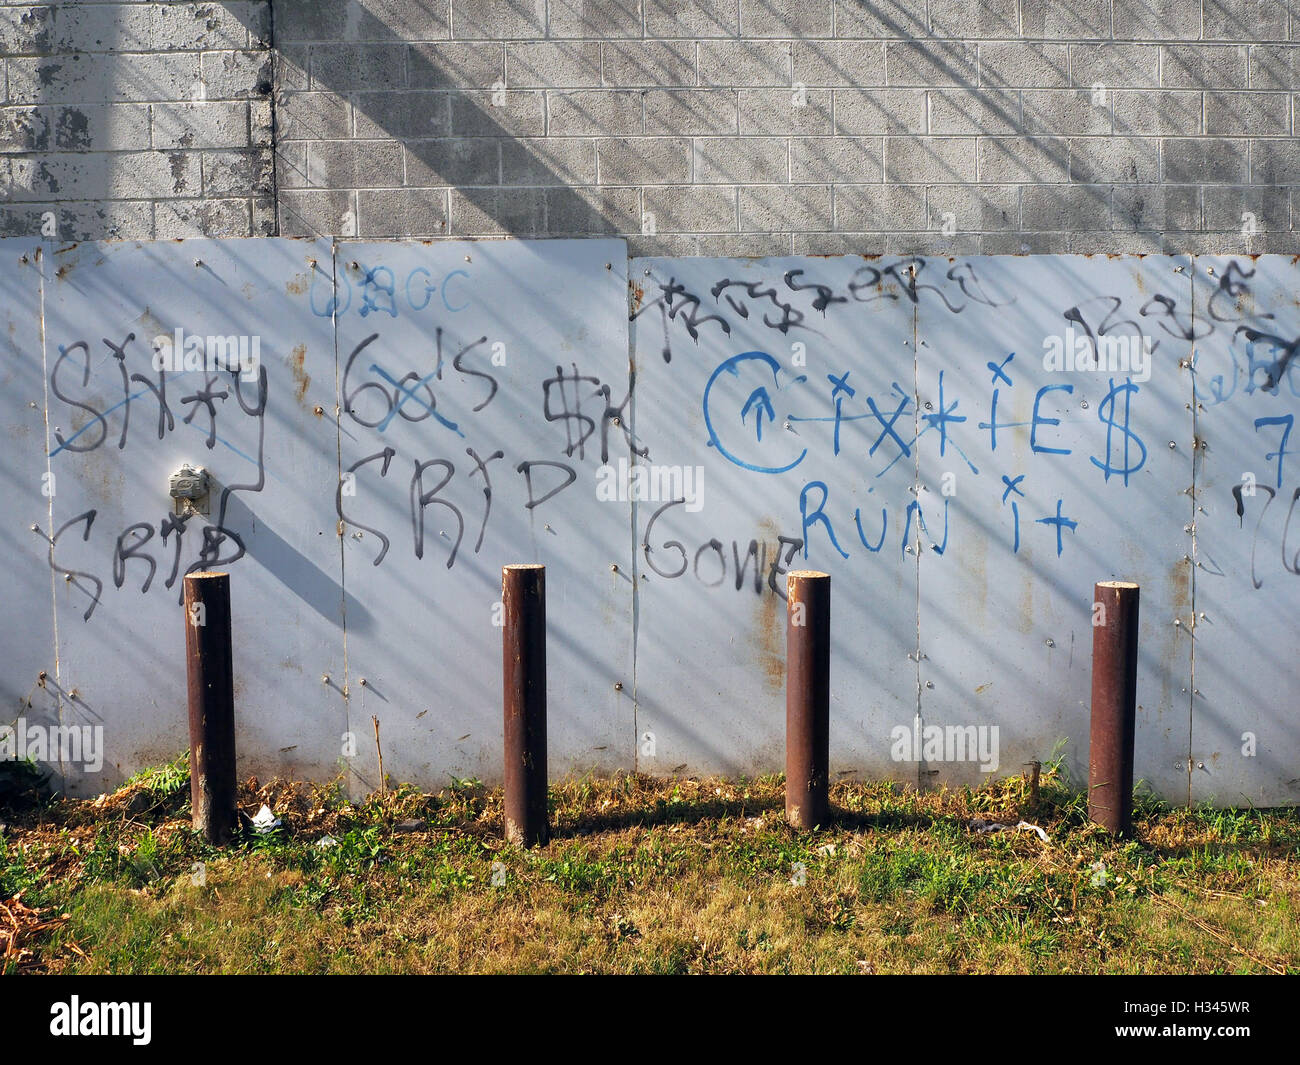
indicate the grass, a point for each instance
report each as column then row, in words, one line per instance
column 651, row 876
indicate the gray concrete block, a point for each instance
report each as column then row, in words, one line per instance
column 1157, row 207
column 237, row 174
column 1247, row 20
column 1054, row 20
column 746, row 64
column 319, row 116
column 690, row 209
column 291, row 165
column 972, row 208
column 447, row 161
column 1156, row 20
column 1194, row 160
column 649, row 64
column 594, row 112
column 784, row 208
column 988, row 19
column 1118, row 160
column 203, row 27
column 1274, row 162
column 498, row 20
column 83, row 127
column 975, row 111
column 553, row 64
column 690, row 19
column 1023, row 64
column 1006, row 160
column 895, row 111
column 799, row 111
column 742, row 160
column 519, row 212
column 1021, row 243
column 1065, row 207
column 1115, row 66
column 595, row 19
column 1248, row 114
column 83, row 78
column 786, row 18
column 355, row 164
column 402, row 213
column 217, row 124
column 455, row 65
column 604, row 211
column 358, row 67
column 548, row 161
column 237, row 75
column 178, row 219
column 1265, row 207
column 309, row 213
column 644, row 160
column 835, row 159
column 881, row 19
column 931, row 63
column 742, row 245
column 1155, row 113
column 922, row 160
column 837, row 63
column 1064, row 111
column 81, row 220
column 1274, row 66
column 105, row 175
column 1189, row 66
column 690, row 112
column 878, row 208
column 520, row 113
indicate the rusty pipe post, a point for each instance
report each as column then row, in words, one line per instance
column 209, row 675
column 1114, row 705
column 807, row 698
column 523, row 598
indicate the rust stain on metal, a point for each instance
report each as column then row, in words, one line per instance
column 298, row 284
column 298, row 367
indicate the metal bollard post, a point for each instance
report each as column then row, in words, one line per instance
column 1114, row 705
column 523, row 597
column 210, row 680
column 807, row 698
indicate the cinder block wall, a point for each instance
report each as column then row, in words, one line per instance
column 136, row 120
column 712, row 127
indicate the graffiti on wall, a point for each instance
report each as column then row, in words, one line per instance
column 362, row 434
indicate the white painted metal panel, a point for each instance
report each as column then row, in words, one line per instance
column 742, row 366
column 29, row 685
column 470, row 445
column 774, row 414
column 1245, row 729
column 1038, row 481
column 119, row 427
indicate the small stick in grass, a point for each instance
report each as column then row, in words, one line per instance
column 380, row 751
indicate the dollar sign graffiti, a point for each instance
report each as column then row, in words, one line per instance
column 1106, row 412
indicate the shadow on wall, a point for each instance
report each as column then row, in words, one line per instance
column 489, row 146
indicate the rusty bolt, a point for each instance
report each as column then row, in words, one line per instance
column 618, row 685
